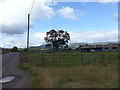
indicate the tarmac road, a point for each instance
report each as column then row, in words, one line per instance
column 10, row 62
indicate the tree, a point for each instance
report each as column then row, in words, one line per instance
column 15, row 49
column 57, row 38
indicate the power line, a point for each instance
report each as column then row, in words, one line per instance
column 32, row 6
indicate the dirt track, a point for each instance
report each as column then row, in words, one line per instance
column 10, row 62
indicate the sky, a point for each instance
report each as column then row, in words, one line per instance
column 85, row 21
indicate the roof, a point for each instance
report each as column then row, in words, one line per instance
column 85, row 47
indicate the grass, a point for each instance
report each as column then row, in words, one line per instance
column 59, row 75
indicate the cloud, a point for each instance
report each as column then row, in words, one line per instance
column 13, row 40
column 14, row 28
column 68, row 12
column 94, row 36
column 39, row 35
column 42, row 11
column 39, row 39
column 20, row 40
column 76, row 37
column 13, row 14
column 86, row 36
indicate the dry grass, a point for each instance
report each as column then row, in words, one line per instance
column 87, row 76
column 60, row 75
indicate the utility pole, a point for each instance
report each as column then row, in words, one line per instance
column 28, row 31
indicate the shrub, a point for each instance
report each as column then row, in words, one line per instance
column 14, row 49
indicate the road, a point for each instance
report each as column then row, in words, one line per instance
column 10, row 62
column 7, row 59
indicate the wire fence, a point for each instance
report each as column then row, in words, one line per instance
column 42, row 58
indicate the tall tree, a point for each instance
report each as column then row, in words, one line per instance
column 57, row 38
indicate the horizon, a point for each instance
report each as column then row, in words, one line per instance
column 97, row 43
column 87, row 22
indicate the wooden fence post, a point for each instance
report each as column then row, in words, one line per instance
column 110, row 59
column 20, row 56
column 95, row 60
column 43, row 58
column 82, row 58
column 102, row 60
column 25, row 56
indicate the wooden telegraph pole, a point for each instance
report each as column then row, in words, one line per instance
column 28, row 31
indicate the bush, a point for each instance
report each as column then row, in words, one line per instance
column 69, row 49
column 25, row 49
column 14, row 49
column 77, row 48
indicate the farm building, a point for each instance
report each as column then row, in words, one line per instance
column 106, row 47
column 111, row 47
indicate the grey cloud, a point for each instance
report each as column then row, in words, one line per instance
column 14, row 28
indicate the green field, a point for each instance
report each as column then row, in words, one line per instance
column 66, row 70
column 66, row 58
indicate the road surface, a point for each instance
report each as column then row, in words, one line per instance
column 10, row 62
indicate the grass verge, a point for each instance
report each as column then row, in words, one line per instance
column 72, row 76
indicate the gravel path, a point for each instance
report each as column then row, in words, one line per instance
column 10, row 62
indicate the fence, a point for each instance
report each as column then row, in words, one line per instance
column 42, row 58
column 24, row 56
